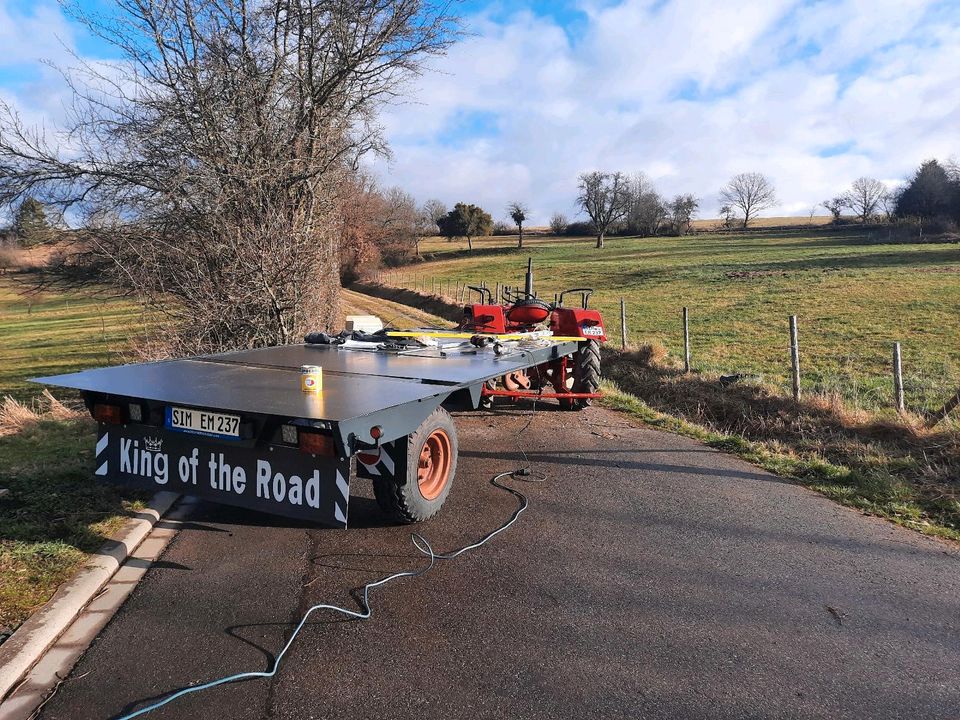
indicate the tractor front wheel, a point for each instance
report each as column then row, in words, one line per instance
column 584, row 374
column 418, row 492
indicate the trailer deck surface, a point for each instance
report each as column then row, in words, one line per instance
column 356, row 383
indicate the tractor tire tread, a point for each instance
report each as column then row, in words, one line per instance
column 586, row 373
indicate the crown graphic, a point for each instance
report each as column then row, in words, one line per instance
column 153, row 444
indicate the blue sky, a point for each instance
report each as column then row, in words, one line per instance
column 814, row 94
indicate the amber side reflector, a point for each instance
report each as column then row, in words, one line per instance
column 317, row 444
column 109, row 414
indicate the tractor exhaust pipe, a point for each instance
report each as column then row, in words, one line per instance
column 528, row 285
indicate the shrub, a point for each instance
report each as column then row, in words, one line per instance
column 579, row 227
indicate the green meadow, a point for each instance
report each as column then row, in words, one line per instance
column 854, row 292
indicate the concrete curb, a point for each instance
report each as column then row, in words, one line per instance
column 32, row 639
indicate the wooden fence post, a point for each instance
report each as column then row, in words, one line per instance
column 686, row 340
column 898, row 378
column 795, row 357
column 623, row 324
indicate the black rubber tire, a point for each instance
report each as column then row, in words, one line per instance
column 586, row 374
column 399, row 497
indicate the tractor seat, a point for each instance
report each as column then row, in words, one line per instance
column 529, row 311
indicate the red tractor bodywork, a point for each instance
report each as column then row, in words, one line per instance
column 524, row 312
column 568, row 322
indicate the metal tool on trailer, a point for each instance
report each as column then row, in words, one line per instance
column 236, row 427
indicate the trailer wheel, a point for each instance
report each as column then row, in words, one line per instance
column 584, row 374
column 431, row 463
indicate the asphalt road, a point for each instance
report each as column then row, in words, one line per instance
column 651, row 577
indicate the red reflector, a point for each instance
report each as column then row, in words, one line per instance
column 368, row 459
column 376, row 432
column 108, row 414
column 317, row 444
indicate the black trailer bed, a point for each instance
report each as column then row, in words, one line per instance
column 356, row 383
column 282, row 450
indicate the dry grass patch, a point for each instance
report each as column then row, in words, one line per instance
column 15, row 416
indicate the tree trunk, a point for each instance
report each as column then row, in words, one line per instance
column 469, row 243
column 520, row 228
column 600, row 239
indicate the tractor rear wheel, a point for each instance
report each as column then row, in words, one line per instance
column 584, row 374
column 419, row 491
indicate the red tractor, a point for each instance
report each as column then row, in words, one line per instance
column 574, row 378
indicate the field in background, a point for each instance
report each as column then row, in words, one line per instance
column 854, row 297
column 768, row 222
column 784, row 221
column 54, row 333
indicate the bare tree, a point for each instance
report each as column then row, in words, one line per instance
column 377, row 226
column 433, row 210
column 647, row 210
column 518, row 213
column 605, row 198
column 206, row 165
column 835, row 206
column 558, row 223
column 952, row 166
column 729, row 216
column 751, row 193
column 682, row 211
column 865, row 196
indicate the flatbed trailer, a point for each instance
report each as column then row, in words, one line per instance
column 236, row 428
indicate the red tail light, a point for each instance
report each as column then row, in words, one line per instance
column 109, row 414
column 317, row 444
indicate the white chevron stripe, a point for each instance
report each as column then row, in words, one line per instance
column 102, row 443
column 387, row 460
column 102, row 470
column 344, row 487
column 372, row 469
column 339, row 513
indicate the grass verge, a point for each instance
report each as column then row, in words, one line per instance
column 892, row 468
column 54, row 514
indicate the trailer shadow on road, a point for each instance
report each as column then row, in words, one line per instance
column 563, row 457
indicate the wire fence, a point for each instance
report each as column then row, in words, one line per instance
column 905, row 387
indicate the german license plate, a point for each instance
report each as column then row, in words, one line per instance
column 203, row 422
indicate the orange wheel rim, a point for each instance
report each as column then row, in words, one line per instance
column 433, row 469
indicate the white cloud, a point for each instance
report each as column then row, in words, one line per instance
column 770, row 85
column 688, row 91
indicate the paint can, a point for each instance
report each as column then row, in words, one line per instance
column 311, row 378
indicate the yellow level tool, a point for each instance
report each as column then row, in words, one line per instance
column 468, row 335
